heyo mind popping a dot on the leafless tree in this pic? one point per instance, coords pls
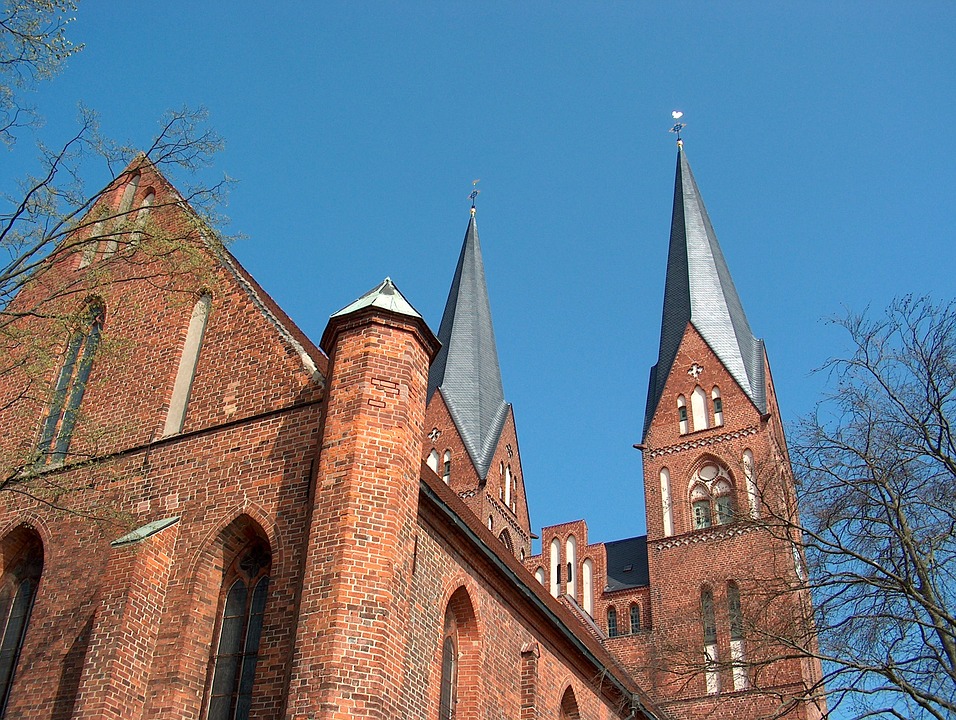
(875, 545)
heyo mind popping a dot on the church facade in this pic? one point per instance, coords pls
(208, 515)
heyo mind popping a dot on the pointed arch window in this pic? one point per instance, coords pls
(752, 498)
(449, 680)
(555, 567)
(666, 507)
(571, 550)
(432, 461)
(57, 431)
(612, 622)
(188, 361)
(240, 630)
(141, 216)
(587, 586)
(635, 618)
(698, 404)
(122, 212)
(711, 497)
(508, 487)
(446, 467)
(718, 406)
(682, 415)
(18, 589)
(709, 623)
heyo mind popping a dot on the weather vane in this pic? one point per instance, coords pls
(474, 194)
(678, 125)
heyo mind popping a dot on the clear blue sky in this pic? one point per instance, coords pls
(820, 134)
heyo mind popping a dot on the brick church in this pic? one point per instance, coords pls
(206, 514)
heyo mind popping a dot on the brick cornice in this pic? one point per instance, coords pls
(703, 442)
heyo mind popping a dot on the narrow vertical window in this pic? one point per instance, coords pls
(433, 461)
(723, 502)
(141, 216)
(508, 487)
(698, 404)
(571, 550)
(718, 406)
(240, 630)
(17, 593)
(752, 497)
(92, 245)
(711, 674)
(539, 575)
(446, 467)
(446, 705)
(666, 507)
(738, 660)
(682, 414)
(555, 567)
(611, 622)
(70, 386)
(587, 586)
(188, 360)
(635, 618)
(122, 213)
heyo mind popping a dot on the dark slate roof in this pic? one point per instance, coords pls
(466, 368)
(627, 563)
(698, 289)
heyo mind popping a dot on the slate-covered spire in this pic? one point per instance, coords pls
(466, 369)
(698, 289)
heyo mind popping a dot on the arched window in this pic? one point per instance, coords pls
(141, 215)
(122, 212)
(70, 386)
(752, 498)
(587, 586)
(709, 623)
(446, 467)
(460, 656)
(711, 496)
(505, 538)
(571, 549)
(698, 404)
(432, 461)
(611, 622)
(700, 507)
(188, 360)
(539, 575)
(666, 506)
(682, 414)
(22, 567)
(635, 618)
(449, 679)
(738, 659)
(723, 502)
(569, 706)
(555, 567)
(718, 406)
(233, 666)
(491, 523)
(508, 487)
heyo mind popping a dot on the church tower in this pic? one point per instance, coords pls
(471, 441)
(723, 584)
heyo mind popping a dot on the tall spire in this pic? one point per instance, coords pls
(699, 290)
(466, 368)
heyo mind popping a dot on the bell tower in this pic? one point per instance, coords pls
(715, 467)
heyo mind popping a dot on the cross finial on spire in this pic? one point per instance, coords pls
(678, 126)
(474, 194)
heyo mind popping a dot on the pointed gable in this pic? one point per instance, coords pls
(466, 369)
(698, 289)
